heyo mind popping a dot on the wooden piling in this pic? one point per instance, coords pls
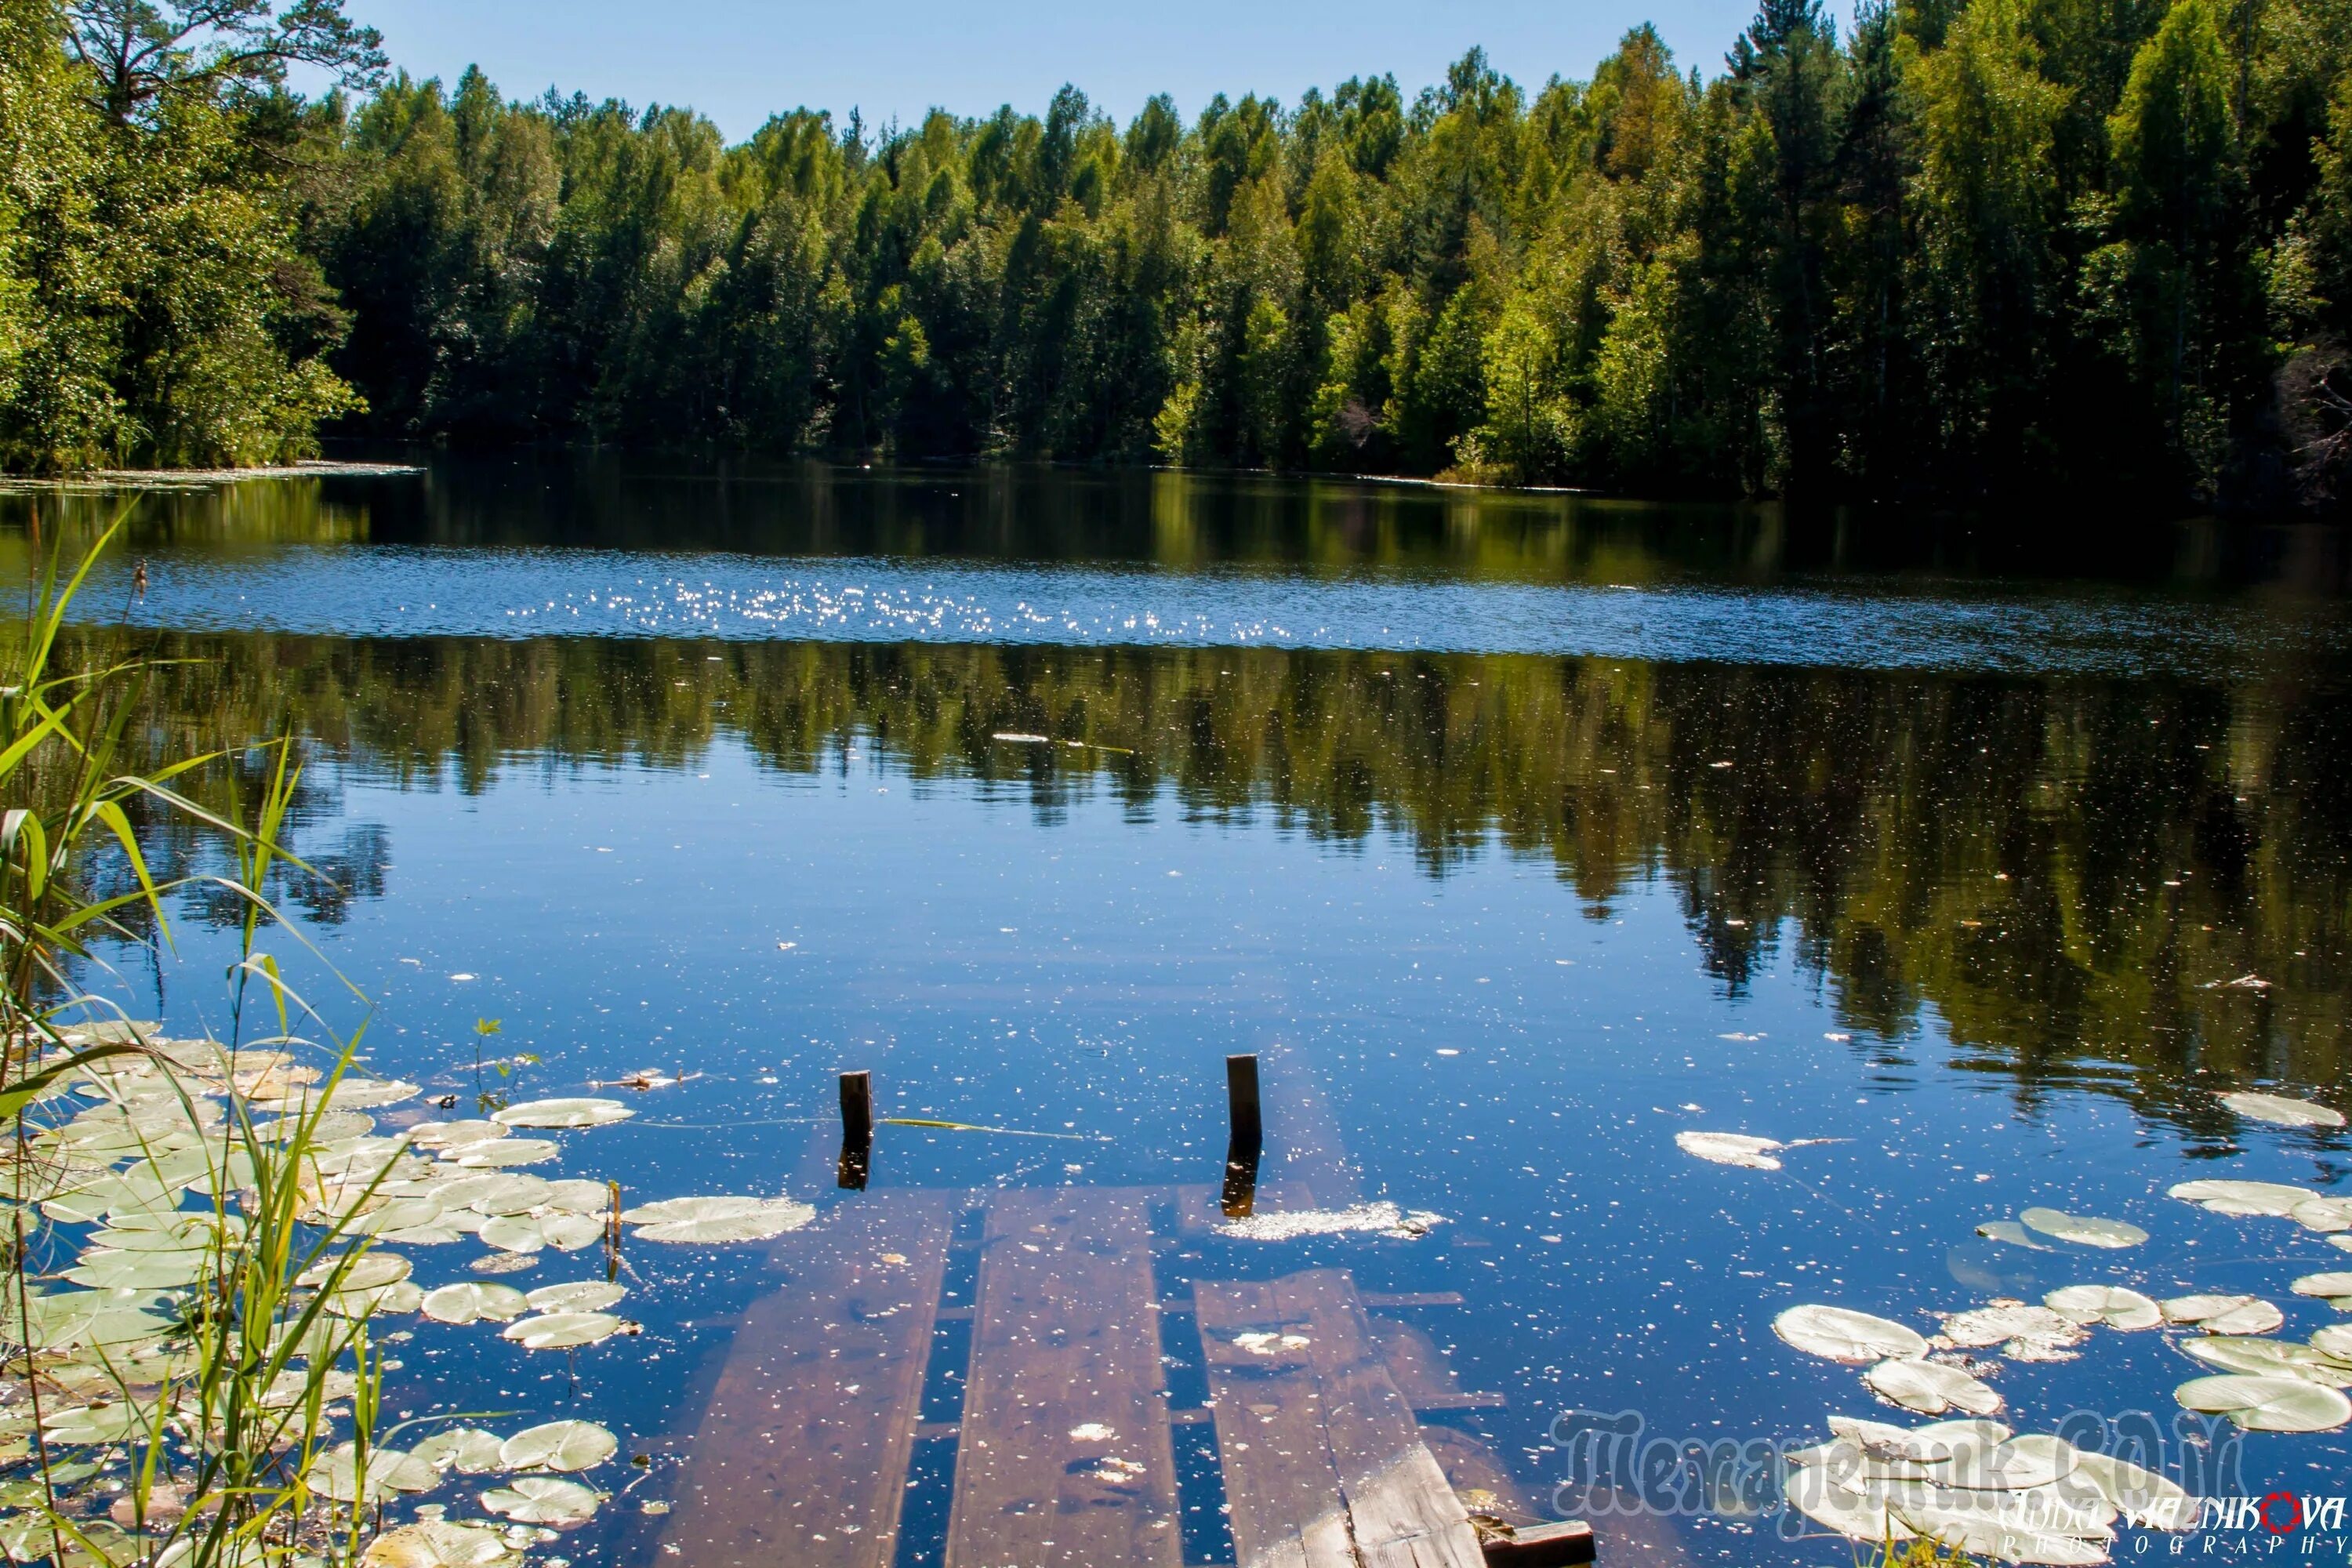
(856, 1108)
(1241, 1100)
(857, 1131)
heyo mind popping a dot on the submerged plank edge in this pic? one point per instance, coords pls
(802, 1454)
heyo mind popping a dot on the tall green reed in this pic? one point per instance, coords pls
(224, 1415)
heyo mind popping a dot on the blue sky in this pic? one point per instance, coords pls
(739, 60)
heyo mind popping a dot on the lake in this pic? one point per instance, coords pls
(1515, 833)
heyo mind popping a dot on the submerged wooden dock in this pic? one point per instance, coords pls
(1063, 1453)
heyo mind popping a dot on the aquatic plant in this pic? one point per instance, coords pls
(215, 1350)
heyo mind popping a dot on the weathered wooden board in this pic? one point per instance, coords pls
(1324, 1464)
(802, 1454)
(1065, 1457)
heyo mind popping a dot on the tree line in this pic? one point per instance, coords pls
(1956, 250)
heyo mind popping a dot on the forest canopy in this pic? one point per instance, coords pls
(1959, 251)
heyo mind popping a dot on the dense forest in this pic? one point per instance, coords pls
(1967, 250)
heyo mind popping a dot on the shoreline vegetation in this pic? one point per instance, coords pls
(1961, 253)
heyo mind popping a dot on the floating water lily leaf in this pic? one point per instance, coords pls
(559, 1446)
(292, 1387)
(1967, 1522)
(1828, 1497)
(718, 1219)
(401, 1213)
(1937, 1443)
(506, 1152)
(118, 1421)
(2268, 1198)
(509, 1193)
(2267, 1404)
(389, 1470)
(405, 1296)
(2269, 1358)
(1383, 1218)
(2144, 1496)
(369, 1093)
(103, 1271)
(2281, 1111)
(1731, 1149)
(2081, 1230)
(1931, 1387)
(2324, 1216)
(438, 1544)
(1847, 1336)
(2023, 1463)
(2113, 1305)
(513, 1233)
(2012, 1233)
(454, 1134)
(2005, 1321)
(577, 1195)
(470, 1301)
(570, 1232)
(563, 1113)
(2329, 1284)
(366, 1272)
(469, 1450)
(2224, 1314)
(544, 1499)
(2333, 1341)
(580, 1296)
(562, 1331)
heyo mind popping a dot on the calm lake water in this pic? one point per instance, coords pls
(1516, 833)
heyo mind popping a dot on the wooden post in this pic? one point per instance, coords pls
(1241, 1100)
(1238, 1199)
(856, 1108)
(857, 1131)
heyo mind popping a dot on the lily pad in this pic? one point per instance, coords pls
(563, 1113)
(469, 1450)
(367, 1271)
(404, 1296)
(2324, 1216)
(369, 1093)
(1931, 1387)
(118, 1421)
(470, 1301)
(389, 1470)
(2224, 1314)
(2245, 1198)
(2333, 1341)
(2144, 1496)
(2281, 1111)
(559, 1446)
(2009, 1232)
(2258, 1357)
(579, 1296)
(2267, 1404)
(1842, 1335)
(1967, 1522)
(2112, 1305)
(2083, 1230)
(454, 1134)
(2006, 1320)
(544, 1499)
(438, 1544)
(562, 1331)
(506, 1152)
(513, 1233)
(577, 1195)
(2331, 1286)
(1731, 1149)
(718, 1219)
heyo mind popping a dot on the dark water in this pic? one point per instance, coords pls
(1517, 835)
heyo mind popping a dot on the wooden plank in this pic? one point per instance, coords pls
(1323, 1461)
(802, 1454)
(1421, 1373)
(1066, 1457)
